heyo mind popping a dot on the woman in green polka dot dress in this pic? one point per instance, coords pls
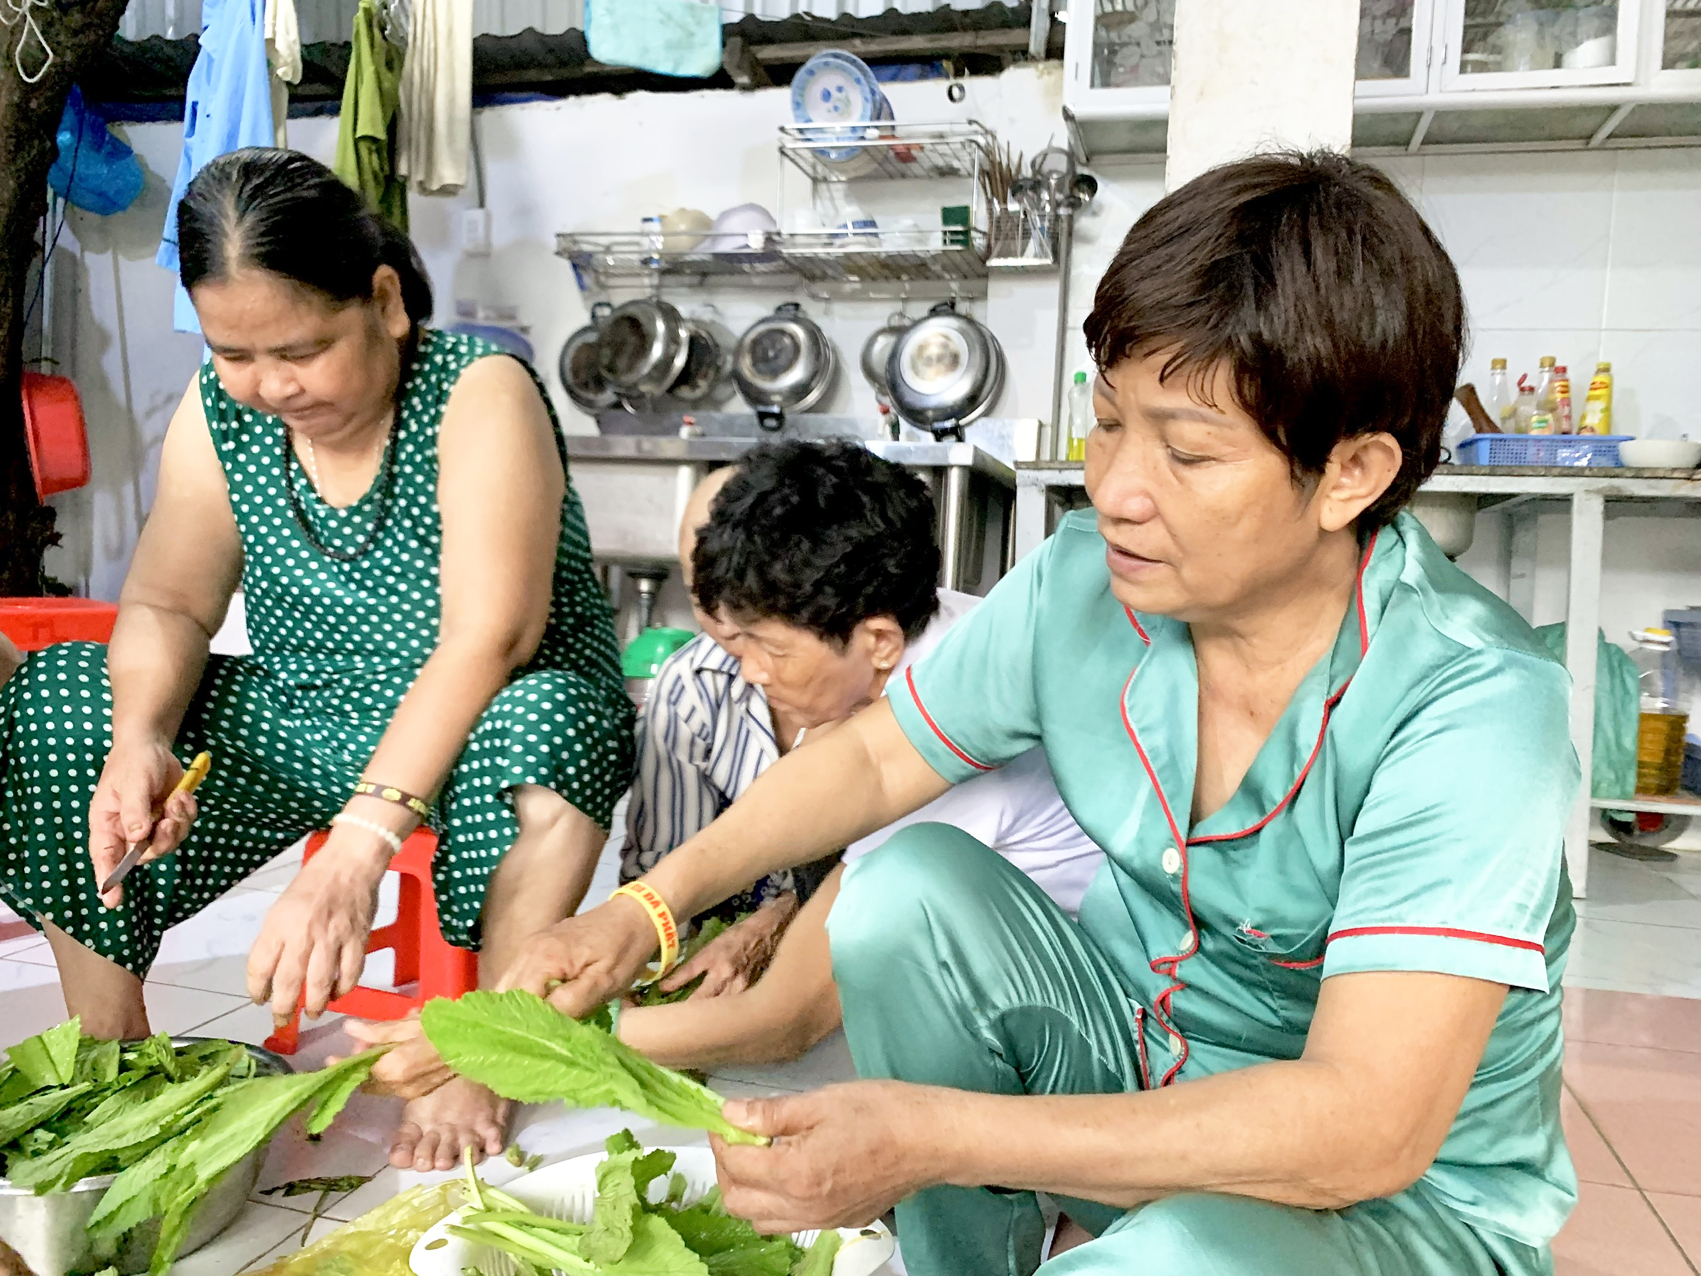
(393, 502)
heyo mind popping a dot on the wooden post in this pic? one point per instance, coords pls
(76, 30)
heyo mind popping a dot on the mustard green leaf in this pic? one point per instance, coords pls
(50, 1057)
(522, 1049)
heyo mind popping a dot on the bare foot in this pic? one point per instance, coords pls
(435, 1128)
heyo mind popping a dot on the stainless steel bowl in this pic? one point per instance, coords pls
(643, 348)
(50, 1233)
(580, 364)
(784, 363)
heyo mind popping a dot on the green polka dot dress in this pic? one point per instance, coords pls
(291, 727)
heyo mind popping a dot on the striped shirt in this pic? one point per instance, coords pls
(704, 735)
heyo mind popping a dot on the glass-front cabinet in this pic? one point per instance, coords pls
(1119, 51)
(1538, 44)
(1429, 73)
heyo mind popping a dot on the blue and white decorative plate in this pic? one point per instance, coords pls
(837, 88)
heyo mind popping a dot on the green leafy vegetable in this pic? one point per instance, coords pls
(172, 1179)
(707, 933)
(819, 1260)
(517, 1045)
(629, 1235)
(51, 1057)
(128, 1135)
(97, 1062)
(23, 1118)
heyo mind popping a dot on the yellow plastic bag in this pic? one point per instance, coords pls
(378, 1242)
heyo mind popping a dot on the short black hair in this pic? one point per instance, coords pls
(286, 213)
(1333, 305)
(819, 535)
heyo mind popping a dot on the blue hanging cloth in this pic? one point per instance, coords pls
(228, 105)
(669, 37)
(96, 170)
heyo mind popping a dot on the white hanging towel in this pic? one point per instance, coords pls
(283, 55)
(435, 130)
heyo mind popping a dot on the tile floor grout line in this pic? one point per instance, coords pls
(1635, 1183)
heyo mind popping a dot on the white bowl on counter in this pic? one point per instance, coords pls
(1659, 454)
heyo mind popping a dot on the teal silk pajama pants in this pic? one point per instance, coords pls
(954, 969)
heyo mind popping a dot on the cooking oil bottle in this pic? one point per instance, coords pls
(1080, 416)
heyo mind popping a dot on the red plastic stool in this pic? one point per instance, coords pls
(439, 968)
(34, 623)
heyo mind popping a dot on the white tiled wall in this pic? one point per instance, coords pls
(1582, 256)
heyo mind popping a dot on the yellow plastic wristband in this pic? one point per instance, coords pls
(667, 930)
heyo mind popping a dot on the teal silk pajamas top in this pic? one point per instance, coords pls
(1406, 813)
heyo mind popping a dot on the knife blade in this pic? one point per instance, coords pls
(191, 781)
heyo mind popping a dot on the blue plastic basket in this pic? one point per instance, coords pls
(1596, 450)
(1685, 625)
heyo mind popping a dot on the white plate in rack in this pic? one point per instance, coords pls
(568, 1190)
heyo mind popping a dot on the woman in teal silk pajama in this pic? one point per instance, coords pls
(1308, 1023)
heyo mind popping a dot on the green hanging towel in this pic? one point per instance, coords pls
(669, 37)
(366, 137)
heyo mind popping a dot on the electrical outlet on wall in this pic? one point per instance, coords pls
(475, 232)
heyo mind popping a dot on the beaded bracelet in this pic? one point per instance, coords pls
(390, 837)
(399, 797)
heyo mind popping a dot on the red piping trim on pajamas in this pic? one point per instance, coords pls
(1144, 636)
(1157, 965)
(1323, 727)
(1298, 965)
(1445, 932)
(909, 678)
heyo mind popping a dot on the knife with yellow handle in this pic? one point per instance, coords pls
(188, 784)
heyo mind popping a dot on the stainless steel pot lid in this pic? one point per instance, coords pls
(581, 375)
(945, 367)
(784, 360)
(643, 348)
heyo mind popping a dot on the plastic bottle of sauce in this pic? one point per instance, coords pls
(1562, 400)
(1597, 407)
(1525, 411)
(1502, 404)
(1080, 417)
(1545, 401)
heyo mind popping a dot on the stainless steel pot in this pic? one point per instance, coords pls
(945, 370)
(50, 1233)
(784, 363)
(581, 373)
(707, 373)
(643, 348)
(877, 350)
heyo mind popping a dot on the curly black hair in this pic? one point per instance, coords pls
(819, 535)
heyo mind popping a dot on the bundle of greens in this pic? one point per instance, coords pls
(707, 933)
(525, 1050)
(632, 1235)
(168, 1121)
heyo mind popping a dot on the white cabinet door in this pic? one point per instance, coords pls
(1538, 44)
(1117, 53)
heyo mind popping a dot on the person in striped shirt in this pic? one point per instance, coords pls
(814, 573)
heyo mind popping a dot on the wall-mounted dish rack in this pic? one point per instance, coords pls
(892, 262)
